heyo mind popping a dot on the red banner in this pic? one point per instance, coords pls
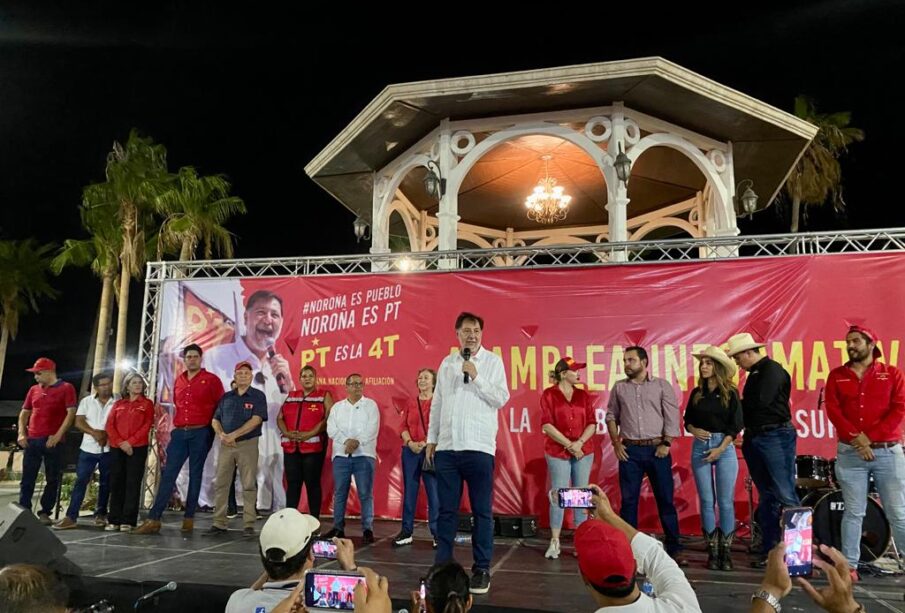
(388, 326)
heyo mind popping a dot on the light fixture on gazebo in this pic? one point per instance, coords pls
(747, 201)
(547, 204)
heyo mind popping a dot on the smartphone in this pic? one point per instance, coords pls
(422, 597)
(323, 548)
(575, 497)
(798, 537)
(331, 590)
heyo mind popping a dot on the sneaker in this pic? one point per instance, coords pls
(205, 508)
(126, 528)
(553, 550)
(480, 582)
(232, 513)
(100, 521)
(111, 528)
(334, 533)
(367, 537)
(249, 531)
(44, 518)
(65, 524)
(214, 531)
(261, 513)
(403, 538)
(434, 544)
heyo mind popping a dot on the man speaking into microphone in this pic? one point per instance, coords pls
(461, 441)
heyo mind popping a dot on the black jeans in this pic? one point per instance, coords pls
(126, 472)
(36, 452)
(642, 460)
(304, 468)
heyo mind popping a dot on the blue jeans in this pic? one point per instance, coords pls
(412, 476)
(560, 473)
(362, 468)
(476, 469)
(642, 460)
(87, 463)
(36, 452)
(771, 463)
(191, 445)
(725, 471)
(853, 473)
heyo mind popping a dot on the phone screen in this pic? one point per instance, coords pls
(326, 590)
(324, 549)
(422, 593)
(575, 498)
(798, 536)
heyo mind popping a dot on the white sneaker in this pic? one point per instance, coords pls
(126, 528)
(111, 528)
(553, 550)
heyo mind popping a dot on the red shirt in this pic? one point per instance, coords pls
(875, 404)
(196, 398)
(302, 412)
(49, 406)
(417, 430)
(130, 421)
(570, 418)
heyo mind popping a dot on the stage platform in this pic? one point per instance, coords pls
(120, 563)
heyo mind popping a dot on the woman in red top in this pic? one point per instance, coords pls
(302, 422)
(414, 435)
(568, 420)
(127, 429)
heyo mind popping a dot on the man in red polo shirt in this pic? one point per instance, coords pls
(47, 414)
(195, 395)
(865, 400)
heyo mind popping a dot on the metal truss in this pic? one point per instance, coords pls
(547, 256)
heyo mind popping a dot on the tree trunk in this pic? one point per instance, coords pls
(796, 213)
(103, 324)
(85, 388)
(4, 341)
(122, 321)
(185, 254)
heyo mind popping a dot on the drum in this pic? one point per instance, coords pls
(812, 471)
(828, 507)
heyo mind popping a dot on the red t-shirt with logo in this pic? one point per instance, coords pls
(302, 412)
(48, 406)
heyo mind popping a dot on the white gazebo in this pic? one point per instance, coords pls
(448, 164)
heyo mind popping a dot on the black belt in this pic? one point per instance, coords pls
(886, 445)
(755, 430)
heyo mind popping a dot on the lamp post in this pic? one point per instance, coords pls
(747, 202)
(434, 184)
(361, 229)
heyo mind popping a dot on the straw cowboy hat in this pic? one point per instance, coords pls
(741, 342)
(718, 355)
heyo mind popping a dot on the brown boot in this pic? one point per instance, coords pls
(150, 526)
(187, 526)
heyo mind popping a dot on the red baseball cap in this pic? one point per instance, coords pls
(869, 334)
(568, 363)
(244, 364)
(43, 364)
(605, 556)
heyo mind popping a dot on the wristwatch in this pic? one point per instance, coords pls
(769, 598)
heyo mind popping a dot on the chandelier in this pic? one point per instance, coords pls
(547, 204)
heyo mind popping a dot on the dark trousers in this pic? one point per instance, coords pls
(126, 472)
(412, 476)
(191, 445)
(771, 463)
(36, 452)
(642, 460)
(87, 463)
(304, 468)
(476, 469)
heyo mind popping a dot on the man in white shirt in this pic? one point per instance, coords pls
(91, 418)
(352, 425)
(461, 441)
(611, 553)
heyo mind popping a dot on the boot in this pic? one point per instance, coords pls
(151, 526)
(713, 549)
(726, 550)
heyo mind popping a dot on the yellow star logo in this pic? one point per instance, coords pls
(315, 342)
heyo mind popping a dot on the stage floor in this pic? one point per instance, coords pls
(522, 578)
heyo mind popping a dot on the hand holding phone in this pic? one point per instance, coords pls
(326, 590)
(798, 537)
(575, 497)
(323, 548)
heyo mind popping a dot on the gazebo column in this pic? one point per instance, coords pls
(448, 215)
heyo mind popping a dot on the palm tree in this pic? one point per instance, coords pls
(136, 174)
(24, 267)
(194, 210)
(817, 177)
(100, 252)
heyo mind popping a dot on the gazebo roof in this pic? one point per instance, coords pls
(766, 141)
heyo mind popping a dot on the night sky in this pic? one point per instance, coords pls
(255, 95)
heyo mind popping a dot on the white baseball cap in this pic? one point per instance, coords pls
(288, 530)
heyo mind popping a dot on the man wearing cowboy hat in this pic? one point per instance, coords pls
(770, 438)
(865, 400)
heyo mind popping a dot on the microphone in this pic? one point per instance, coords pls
(281, 378)
(169, 587)
(466, 355)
